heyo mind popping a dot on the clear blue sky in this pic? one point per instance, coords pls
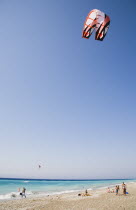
(66, 102)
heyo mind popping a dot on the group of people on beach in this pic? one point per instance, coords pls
(117, 188)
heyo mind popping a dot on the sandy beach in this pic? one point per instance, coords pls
(99, 199)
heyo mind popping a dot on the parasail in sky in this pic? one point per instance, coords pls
(96, 21)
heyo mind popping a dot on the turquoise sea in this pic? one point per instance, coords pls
(8, 187)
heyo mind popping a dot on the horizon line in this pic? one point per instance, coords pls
(34, 179)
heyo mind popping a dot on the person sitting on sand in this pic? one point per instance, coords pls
(112, 191)
(86, 193)
(108, 190)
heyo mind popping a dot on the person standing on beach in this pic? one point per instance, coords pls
(117, 189)
(124, 188)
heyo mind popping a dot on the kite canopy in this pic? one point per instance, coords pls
(98, 21)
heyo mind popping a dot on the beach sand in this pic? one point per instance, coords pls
(99, 199)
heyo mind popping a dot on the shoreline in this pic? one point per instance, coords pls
(36, 194)
(99, 199)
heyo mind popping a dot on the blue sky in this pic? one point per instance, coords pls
(66, 102)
